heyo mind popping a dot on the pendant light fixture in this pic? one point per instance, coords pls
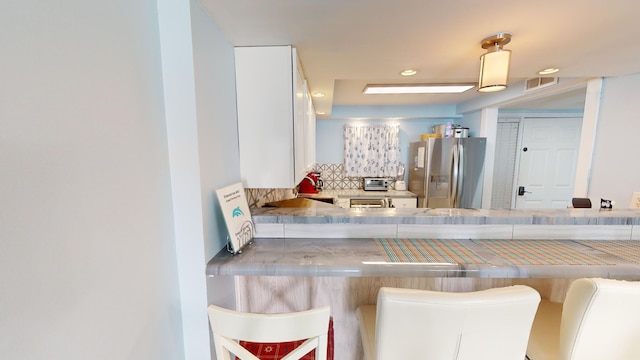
(494, 65)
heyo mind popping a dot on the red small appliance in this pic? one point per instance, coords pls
(311, 184)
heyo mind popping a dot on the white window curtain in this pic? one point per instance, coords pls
(372, 150)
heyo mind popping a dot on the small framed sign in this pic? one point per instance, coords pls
(635, 200)
(237, 216)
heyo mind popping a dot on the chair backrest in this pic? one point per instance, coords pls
(421, 324)
(601, 320)
(228, 327)
(581, 203)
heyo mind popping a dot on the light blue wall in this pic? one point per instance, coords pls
(413, 120)
(330, 136)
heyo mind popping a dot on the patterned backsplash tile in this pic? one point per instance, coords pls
(333, 178)
(258, 197)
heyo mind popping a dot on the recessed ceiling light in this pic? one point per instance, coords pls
(548, 71)
(408, 72)
(318, 94)
(416, 89)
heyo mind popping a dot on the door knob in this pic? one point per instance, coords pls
(521, 191)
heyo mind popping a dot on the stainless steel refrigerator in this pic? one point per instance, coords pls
(447, 172)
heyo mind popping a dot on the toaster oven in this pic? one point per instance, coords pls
(376, 184)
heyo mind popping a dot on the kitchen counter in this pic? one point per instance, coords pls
(359, 193)
(616, 224)
(465, 258)
(299, 203)
(337, 257)
(427, 216)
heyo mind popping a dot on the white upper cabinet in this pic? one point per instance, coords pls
(273, 122)
(310, 130)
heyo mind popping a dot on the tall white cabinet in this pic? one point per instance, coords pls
(276, 122)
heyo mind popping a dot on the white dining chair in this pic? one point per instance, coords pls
(229, 327)
(421, 324)
(600, 319)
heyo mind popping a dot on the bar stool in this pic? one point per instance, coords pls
(422, 324)
(599, 320)
(293, 335)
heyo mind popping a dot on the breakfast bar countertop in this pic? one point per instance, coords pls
(426, 216)
(471, 258)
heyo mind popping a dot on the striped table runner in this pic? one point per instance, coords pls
(540, 252)
(624, 249)
(428, 251)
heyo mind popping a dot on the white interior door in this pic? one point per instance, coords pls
(548, 159)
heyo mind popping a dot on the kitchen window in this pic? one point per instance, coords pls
(372, 150)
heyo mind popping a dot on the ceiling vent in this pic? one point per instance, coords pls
(539, 82)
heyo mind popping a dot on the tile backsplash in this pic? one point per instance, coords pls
(258, 197)
(333, 178)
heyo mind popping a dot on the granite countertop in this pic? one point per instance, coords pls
(368, 257)
(299, 203)
(359, 193)
(426, 216)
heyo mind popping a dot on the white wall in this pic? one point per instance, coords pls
(615, 173)
(199, 84)
(87, 255)
(217, 121)
(174, 17)
(218, 137)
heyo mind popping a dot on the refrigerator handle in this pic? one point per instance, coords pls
(454, 177)
(460, 174)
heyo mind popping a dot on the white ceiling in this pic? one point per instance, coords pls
(345, 44)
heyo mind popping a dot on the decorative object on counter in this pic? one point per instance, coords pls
(237, 217)
(372, 150)
(311, 184)
(635, 200)
(606, 204)
(584, 203)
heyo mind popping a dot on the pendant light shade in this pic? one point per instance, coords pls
(494, 65)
